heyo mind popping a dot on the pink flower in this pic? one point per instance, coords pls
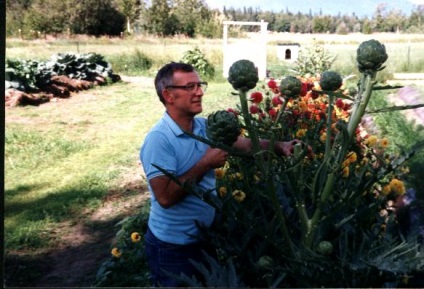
(256, 97)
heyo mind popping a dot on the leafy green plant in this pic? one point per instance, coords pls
(197, 58)
(286, 220)
(313, 60)
(131, 64)
(127, 266)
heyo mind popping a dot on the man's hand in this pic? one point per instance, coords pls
(287, 148)
(214, 158)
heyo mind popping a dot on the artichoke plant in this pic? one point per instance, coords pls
(222, 127)
(371, 55)
(290, 87)
(243, 75)
(330, 81)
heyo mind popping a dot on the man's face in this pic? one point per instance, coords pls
(183, 99)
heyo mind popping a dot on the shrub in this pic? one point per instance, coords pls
(197, 58)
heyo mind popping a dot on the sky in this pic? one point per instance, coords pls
(328, 7)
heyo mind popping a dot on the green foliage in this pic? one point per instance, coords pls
(197, 58)
(130, 268)
(131, 64)
(30, 75)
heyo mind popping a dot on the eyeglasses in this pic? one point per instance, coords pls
(191, 86)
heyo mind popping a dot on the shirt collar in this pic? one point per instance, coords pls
(176, 129)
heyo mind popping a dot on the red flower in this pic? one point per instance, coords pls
(254, 109)
(232, 111)
(256, 97)
(272, 113)
(272, 84)
(304, 89)
(315, 95)
(276, 101)
(339, 103)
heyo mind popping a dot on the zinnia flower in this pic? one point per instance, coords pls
(371, 141)
(116, 252)
(254, 109)
(239, 195)
(219, 173)
(272, 84)
(256, 97)
(352, 157)
(301, 133)
(397, 186)
(222, 191)
(276, 101)
(384, 142)
(345, 172)
(135, 237)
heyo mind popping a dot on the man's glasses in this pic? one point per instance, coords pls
(191, 86)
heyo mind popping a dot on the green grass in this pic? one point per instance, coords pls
(62, 158)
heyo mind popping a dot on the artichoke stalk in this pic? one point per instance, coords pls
(244, 76)
(370, 56)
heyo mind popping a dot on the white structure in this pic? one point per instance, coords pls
(288, 51)
(246, 49)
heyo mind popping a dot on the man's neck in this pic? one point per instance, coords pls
(184, 122)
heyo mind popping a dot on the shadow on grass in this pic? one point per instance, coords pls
(68, 265)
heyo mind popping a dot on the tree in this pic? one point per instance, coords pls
(47, 17)
(160, 20)
(95, 17)
(131, 10)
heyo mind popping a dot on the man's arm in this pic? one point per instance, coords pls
(168, 193)
(280, 148)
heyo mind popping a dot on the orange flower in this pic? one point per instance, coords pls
(345, 172)
(219, 173)
(397, 186)
(384, 142)
(135, 237)
(222, 191)
(116, 252)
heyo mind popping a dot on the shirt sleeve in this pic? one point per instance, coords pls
(157, 150)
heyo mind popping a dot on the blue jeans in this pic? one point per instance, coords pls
(164, 258)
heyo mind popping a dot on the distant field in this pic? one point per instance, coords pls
(405, 50)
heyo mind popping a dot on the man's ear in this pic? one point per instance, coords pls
(167, 96)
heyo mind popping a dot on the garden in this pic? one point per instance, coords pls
(346, 216)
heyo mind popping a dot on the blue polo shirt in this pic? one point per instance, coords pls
(168, 147)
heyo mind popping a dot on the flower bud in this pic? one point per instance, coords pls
(330, 81)
(370, 56)
(243, 75)
(291, 87)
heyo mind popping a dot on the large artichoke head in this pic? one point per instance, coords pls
(370, 56)
(290, 87)
(243, 75)
(223, 127)
(330, 80)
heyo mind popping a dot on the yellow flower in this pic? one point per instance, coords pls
(397, 186)
(365, 161)
(384, 142)
(371, 141)
(302, 106)
(404, 170)
(352, 157)
(345, 172)
(301, 133)
(323, 137)
(219, 173)
(239, 176)
(386, 189)
(116, 253)
(135, 237)
(345, 163)
(222, 191)
(239, 196)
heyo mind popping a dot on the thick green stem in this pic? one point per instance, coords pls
(329, 122)
(265, 171)
(361, 102)
(364, 95)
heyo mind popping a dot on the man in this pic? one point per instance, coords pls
(172, 227)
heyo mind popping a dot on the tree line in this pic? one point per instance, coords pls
(34, 18)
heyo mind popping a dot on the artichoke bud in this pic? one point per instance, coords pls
(243, 75)
(370, 56)
(222, 127)
(325, 248)
(290, 87)
(330, 81)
